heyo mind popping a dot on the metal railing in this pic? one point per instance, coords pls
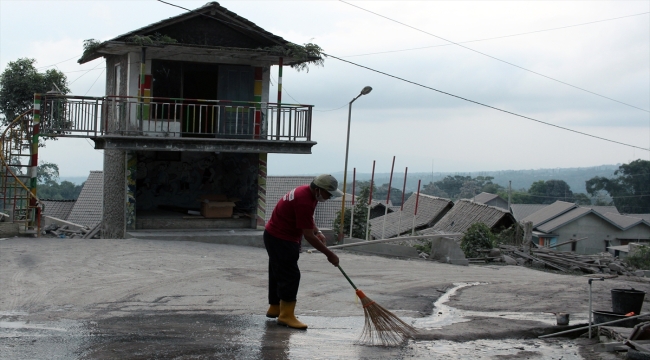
(81, 116)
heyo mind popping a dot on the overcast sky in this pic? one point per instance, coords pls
(610, 56)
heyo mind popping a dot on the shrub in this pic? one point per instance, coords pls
(477, 237)
(640, 259)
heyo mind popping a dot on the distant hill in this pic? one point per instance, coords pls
(521, 179)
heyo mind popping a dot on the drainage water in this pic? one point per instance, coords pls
(444, 315)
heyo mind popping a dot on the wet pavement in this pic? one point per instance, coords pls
(188, 335)
(147, 299)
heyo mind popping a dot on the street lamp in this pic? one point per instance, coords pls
(365, 91)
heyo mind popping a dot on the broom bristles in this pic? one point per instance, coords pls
(382, 327)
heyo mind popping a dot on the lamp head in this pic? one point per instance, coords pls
(366, 90)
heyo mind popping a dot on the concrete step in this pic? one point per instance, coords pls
(243, 237)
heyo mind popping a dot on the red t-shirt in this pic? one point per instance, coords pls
(293, 213)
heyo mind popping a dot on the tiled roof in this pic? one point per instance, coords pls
(549, 212)
(59, 209)
(465, 213)
(484, 198)
(521, 211)
(430, 209)
(213, 10)
(88, 208)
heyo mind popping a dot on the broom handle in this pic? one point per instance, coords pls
(346, 276)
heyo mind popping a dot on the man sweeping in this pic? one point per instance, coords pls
(292, 219)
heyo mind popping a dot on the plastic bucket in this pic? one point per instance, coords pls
(625, 301)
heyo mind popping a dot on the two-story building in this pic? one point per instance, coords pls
(186, 117)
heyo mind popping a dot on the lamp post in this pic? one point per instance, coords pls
(366, 90)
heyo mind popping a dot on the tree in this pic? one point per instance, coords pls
(47, 173)
(547, 192)
(477, 237)
(630, 190)
(451, 185)
(20, 81)
(433, 190)
(360, 216)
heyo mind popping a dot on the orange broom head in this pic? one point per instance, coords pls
(381, 326)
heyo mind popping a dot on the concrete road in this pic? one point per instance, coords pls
(142, 299)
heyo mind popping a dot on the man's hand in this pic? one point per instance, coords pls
(333, 259)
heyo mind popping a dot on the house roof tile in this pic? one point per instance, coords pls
(88, 209)
(430, 209)
(521, 211)
(465, 213)
(59, 209)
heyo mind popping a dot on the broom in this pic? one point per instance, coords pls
(381, 327)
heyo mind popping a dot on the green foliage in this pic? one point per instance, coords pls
(513, 235)
(424, 247)
(90, 45)
(48, 187)
(47, 173)
(477, 237)
(640, 259)
(305, 54)
(155, 39)
(55, 191)
(360, 216)
(630, 189)
(461, 187)
(20, 81)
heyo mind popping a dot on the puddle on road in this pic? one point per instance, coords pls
(167, 335)
(444, 315)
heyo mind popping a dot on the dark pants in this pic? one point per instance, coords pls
(284, 275)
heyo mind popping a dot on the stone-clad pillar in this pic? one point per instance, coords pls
(113, 222)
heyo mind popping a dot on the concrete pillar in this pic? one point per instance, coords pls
(113, 222)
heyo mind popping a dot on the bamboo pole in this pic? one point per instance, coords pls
(401, 209)
(354, 177)
(390, 182)
(372, 179)
(403, 238)
(415, 213)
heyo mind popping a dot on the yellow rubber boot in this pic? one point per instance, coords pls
(287, 318)
(273, 311)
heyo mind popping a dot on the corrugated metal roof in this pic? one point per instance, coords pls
(549, 212)
(645, 217)
(88, 208)
(59, 209)
(430, 208)
(465, 213)
(622, 221)
(521, 211)
(602, 209)
(564, 219)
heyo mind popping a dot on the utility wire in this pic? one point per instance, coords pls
(489, 106)
(91, 86)
(43, 67)
(430, 88)
(500, 37)
(495, 58)
(298, 102)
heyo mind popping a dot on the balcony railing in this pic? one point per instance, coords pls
(81, 116)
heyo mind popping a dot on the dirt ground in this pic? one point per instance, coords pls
(167, 299)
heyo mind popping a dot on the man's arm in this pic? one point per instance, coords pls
(318, 245)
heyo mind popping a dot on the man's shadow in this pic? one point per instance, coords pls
(275, 341)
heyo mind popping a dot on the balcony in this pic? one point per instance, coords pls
(148, 123)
